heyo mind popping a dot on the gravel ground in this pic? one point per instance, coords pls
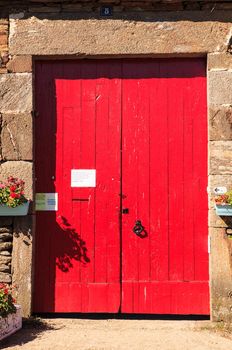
(89, 334)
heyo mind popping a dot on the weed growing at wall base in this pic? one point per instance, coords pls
(224, 199)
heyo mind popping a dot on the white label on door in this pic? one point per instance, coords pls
(46, 201)
(83, 178)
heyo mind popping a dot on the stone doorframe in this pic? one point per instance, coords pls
(177, 34)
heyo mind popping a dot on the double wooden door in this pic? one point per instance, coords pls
(130, 233)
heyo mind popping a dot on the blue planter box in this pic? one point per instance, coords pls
(17, 211)
(223, 210)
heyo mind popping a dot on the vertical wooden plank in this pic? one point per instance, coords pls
(136, 153)
(143, 166)
(108, 177)
(161, 297)
(67, 248)
(103, 164)
(130, 181)
(159, 220)
(200, 171)
(127, 303)
(145, 300)
(175, 171)
(87, 161)
(113, 250)
(188, 205)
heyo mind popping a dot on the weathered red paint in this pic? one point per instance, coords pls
(141, 123)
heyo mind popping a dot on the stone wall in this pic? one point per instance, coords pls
(220, 173)
(39, 31)
(16, 159)
(58, 6)
(4, 26)
(6, 243)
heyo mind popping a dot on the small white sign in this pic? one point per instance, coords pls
(83, 178)
(46, 201)
(220, 190)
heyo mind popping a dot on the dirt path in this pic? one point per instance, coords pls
(74, 334)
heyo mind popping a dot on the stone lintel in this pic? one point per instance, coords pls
(160, 33)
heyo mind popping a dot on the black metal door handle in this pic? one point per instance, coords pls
(138, 228)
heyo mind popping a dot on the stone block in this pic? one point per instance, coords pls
(220, 61)
(220, 123)
(20, 64)
(71, 7)
(3, 49)
(22, 262)
(44, 9)
(16, 93)
(5, 268)
(5, 246)
(3, 33)
(214, 6)
(5, 259)
(5, 230)
(153, 33)
(220, 271)
(5, 277)
(19, 169)
(219, 87)
(4, 58)
(3, 39)
(220, 155)
(16, 136)
(5, 253)
(4, 237)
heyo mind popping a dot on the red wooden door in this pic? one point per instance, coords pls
(164, 172)
(142, 125)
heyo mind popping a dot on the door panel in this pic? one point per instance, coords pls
(141, 123)
(164, 182)
(83, 236)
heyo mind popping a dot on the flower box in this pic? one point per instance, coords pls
(20, 210)
(223, 209)
(11, 323)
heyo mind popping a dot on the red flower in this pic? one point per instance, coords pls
(12, 188)
(14, 195)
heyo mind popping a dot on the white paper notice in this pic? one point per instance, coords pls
(83, 178)
(46, 201)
